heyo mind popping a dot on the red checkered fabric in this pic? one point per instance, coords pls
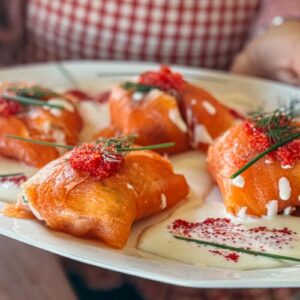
(205, 33)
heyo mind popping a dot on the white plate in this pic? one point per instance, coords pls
(99, 76)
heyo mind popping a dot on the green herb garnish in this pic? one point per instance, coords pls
(138, 87)
(121, 144)
(30, 101)
(34, 91)
(278, 126)
(44, 143)
(237, 249)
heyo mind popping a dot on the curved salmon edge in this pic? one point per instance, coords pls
(261, 180)
(32, 154)
(155, 120)
(70, 201)
(201, 108)
(15, 211)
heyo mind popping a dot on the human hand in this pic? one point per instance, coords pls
(273, 55)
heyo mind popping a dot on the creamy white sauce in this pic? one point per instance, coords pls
(158, 240)
(272, 208)
(268, 161)
(209, 108)
(193, 101)
(287, 166)
(130, 186)
(288, 210)
(242, 213)
(201, 135)
(175, 117)
(163, 199)
(8, 190)
(238, 181)
(284, 188)
(95, 116)
(138, 96)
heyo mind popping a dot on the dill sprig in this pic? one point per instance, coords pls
(238, 249)
(278, 125)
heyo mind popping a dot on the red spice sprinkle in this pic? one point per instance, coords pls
(164, 79)
(224, 231)
(231, 256)
(287, 154)
(91, 158)
(9, 108)
(17, 180)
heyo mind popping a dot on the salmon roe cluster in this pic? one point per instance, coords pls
(9, 108)
(96, 160)
(287, 154)
(164, 79)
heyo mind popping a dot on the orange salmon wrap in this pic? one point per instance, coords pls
(154, 120)
(206, 117)
(71, 201)
(263, 189)
(42, 123)
(172, 111)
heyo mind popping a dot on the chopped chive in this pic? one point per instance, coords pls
(30, 101)
(150, 147)
(262, 154)
(69, 147)
(44, 143)
(237, 249)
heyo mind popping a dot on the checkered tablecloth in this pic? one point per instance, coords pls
(205, 33)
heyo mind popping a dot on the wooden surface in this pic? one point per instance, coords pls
(27, 273)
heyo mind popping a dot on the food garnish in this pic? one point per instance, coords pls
(275, 135)
(100, 159)
(164, 79)
(30, 101)
(44, 143)
(237, 249)
(32, 91)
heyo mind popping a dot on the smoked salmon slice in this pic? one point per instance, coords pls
(162, 107)
(155, 119)
(75, 202)
(206, 117)
(264, 189)
(36, 122)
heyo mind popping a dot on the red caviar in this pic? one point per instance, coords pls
(224, 231)
(9, 108)
(287, 154)
(164, 79)
(95, 160)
